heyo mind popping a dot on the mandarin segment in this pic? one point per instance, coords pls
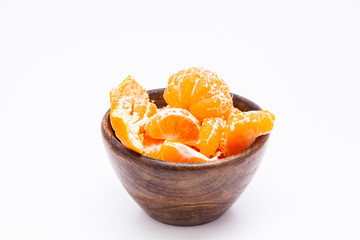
(152, 147)
(234, 111)
(201, 92)
(174, 124)
(242, 129)
(173, 92)
(130, 110)
(172, 151)
(127, 89)
(211, 107)
(126, 132)
(142, 112)
(210, 135)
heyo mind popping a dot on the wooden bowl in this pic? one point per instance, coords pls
(183, 194)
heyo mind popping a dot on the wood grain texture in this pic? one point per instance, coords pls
(183, 194)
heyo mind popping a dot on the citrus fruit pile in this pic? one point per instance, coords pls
(199, 124)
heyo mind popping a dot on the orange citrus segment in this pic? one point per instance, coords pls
(210, 135)
(142, 112)
(242, 129)
(130, 110)
(127, 89)
(152, 147)
(174, 124)
(177, 152)
(234, 111)
(126, 132)
(211, 107)
(200, 91)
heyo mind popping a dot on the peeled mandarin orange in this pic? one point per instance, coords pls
(172, 151)
(201, 92)
(210, 135)
(242, 129)
(130, 110)
(174, 124)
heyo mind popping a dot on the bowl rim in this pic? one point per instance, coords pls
(110, 138)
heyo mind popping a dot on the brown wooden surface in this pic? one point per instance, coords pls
(183, 193)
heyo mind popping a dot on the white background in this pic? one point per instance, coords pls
(59, 60)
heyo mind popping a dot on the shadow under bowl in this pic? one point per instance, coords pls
(183, 194)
